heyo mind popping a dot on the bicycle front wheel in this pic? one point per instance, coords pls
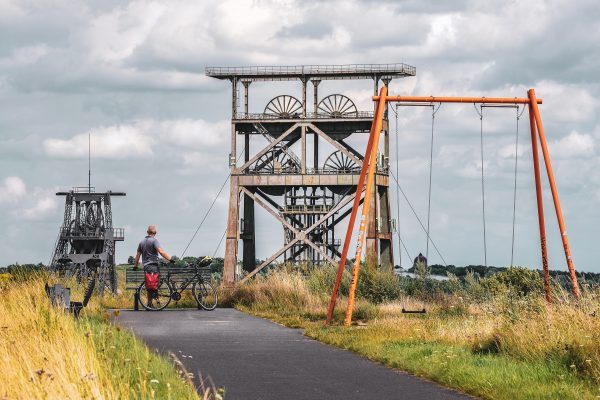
(205, 294)
(154, 300)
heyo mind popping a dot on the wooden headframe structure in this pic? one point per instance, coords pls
(286, 169)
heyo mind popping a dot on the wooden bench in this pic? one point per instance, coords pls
(134, 278)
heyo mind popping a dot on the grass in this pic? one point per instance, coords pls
(504, 347)
(46, 353)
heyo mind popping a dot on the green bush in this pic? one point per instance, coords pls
(321, 279)
(517, 281)
(377, 286)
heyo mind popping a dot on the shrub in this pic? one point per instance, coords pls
(518, 281)
(320, 280)
(377, 286)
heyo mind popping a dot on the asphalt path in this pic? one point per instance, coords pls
(256, 359)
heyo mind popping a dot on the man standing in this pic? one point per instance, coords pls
(149, 249)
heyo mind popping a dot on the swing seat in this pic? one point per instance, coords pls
(405, 311)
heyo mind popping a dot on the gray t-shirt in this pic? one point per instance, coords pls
(149, 248)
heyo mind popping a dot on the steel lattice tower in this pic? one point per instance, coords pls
(86, 239)
(308, 200)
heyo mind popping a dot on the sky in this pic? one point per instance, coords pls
(132, 75)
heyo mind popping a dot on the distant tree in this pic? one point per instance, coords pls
(130, 260)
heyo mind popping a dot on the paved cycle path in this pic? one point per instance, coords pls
(256, 359)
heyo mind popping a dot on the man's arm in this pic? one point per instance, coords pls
(163, 254)
(136, 262)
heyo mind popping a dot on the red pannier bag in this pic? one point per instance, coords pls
(151, 281)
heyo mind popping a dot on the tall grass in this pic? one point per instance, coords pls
(46, 354)
(485, 337)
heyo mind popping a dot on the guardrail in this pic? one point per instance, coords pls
(311, 115)
(311, 171)
(394, 68)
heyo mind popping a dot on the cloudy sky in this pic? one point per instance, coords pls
(132, 74)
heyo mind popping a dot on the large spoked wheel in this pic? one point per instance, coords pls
(154, 300)
(205, 294)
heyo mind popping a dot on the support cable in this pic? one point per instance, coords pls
(417, 216)
(219, 245)
(512, 247)
(210, 208)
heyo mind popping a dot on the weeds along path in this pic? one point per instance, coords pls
(257, 359)
(47, 354)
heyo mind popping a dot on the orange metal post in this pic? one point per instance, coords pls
(559, 214)
(359, 188)
(378, 121)
(540, 205)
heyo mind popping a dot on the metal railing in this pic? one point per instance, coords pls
(84, 189)
(306, 209)
(310, 171)
(311, 115)
(119, 233)
(395, 68)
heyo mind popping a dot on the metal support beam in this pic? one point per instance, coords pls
(302, 235)
(559, 215)
(269, 147)
(246, 84)
(334, 143)
(377, 122)
(231, 241)
(540, 206)
(316, 83)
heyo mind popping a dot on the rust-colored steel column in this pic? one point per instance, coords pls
(359, 189)
(540, 205)
(231, 242)
(555, 198)
(378, 121)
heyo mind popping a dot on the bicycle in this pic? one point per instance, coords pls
(169, 288)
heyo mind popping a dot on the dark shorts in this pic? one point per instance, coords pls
(151, 268)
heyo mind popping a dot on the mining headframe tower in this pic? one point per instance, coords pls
(301, 167)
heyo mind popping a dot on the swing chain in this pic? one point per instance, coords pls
(434, 111)
(512, 246)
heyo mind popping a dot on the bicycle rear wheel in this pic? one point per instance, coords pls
(157, 299)
(205, 294)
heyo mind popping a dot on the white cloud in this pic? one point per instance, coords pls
(43, 207)
(12, 190)
(572, 146)
(141, 139)
(30, 205)
(121, 141)
(566, 102)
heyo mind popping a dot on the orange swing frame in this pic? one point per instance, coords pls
(368, 172)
